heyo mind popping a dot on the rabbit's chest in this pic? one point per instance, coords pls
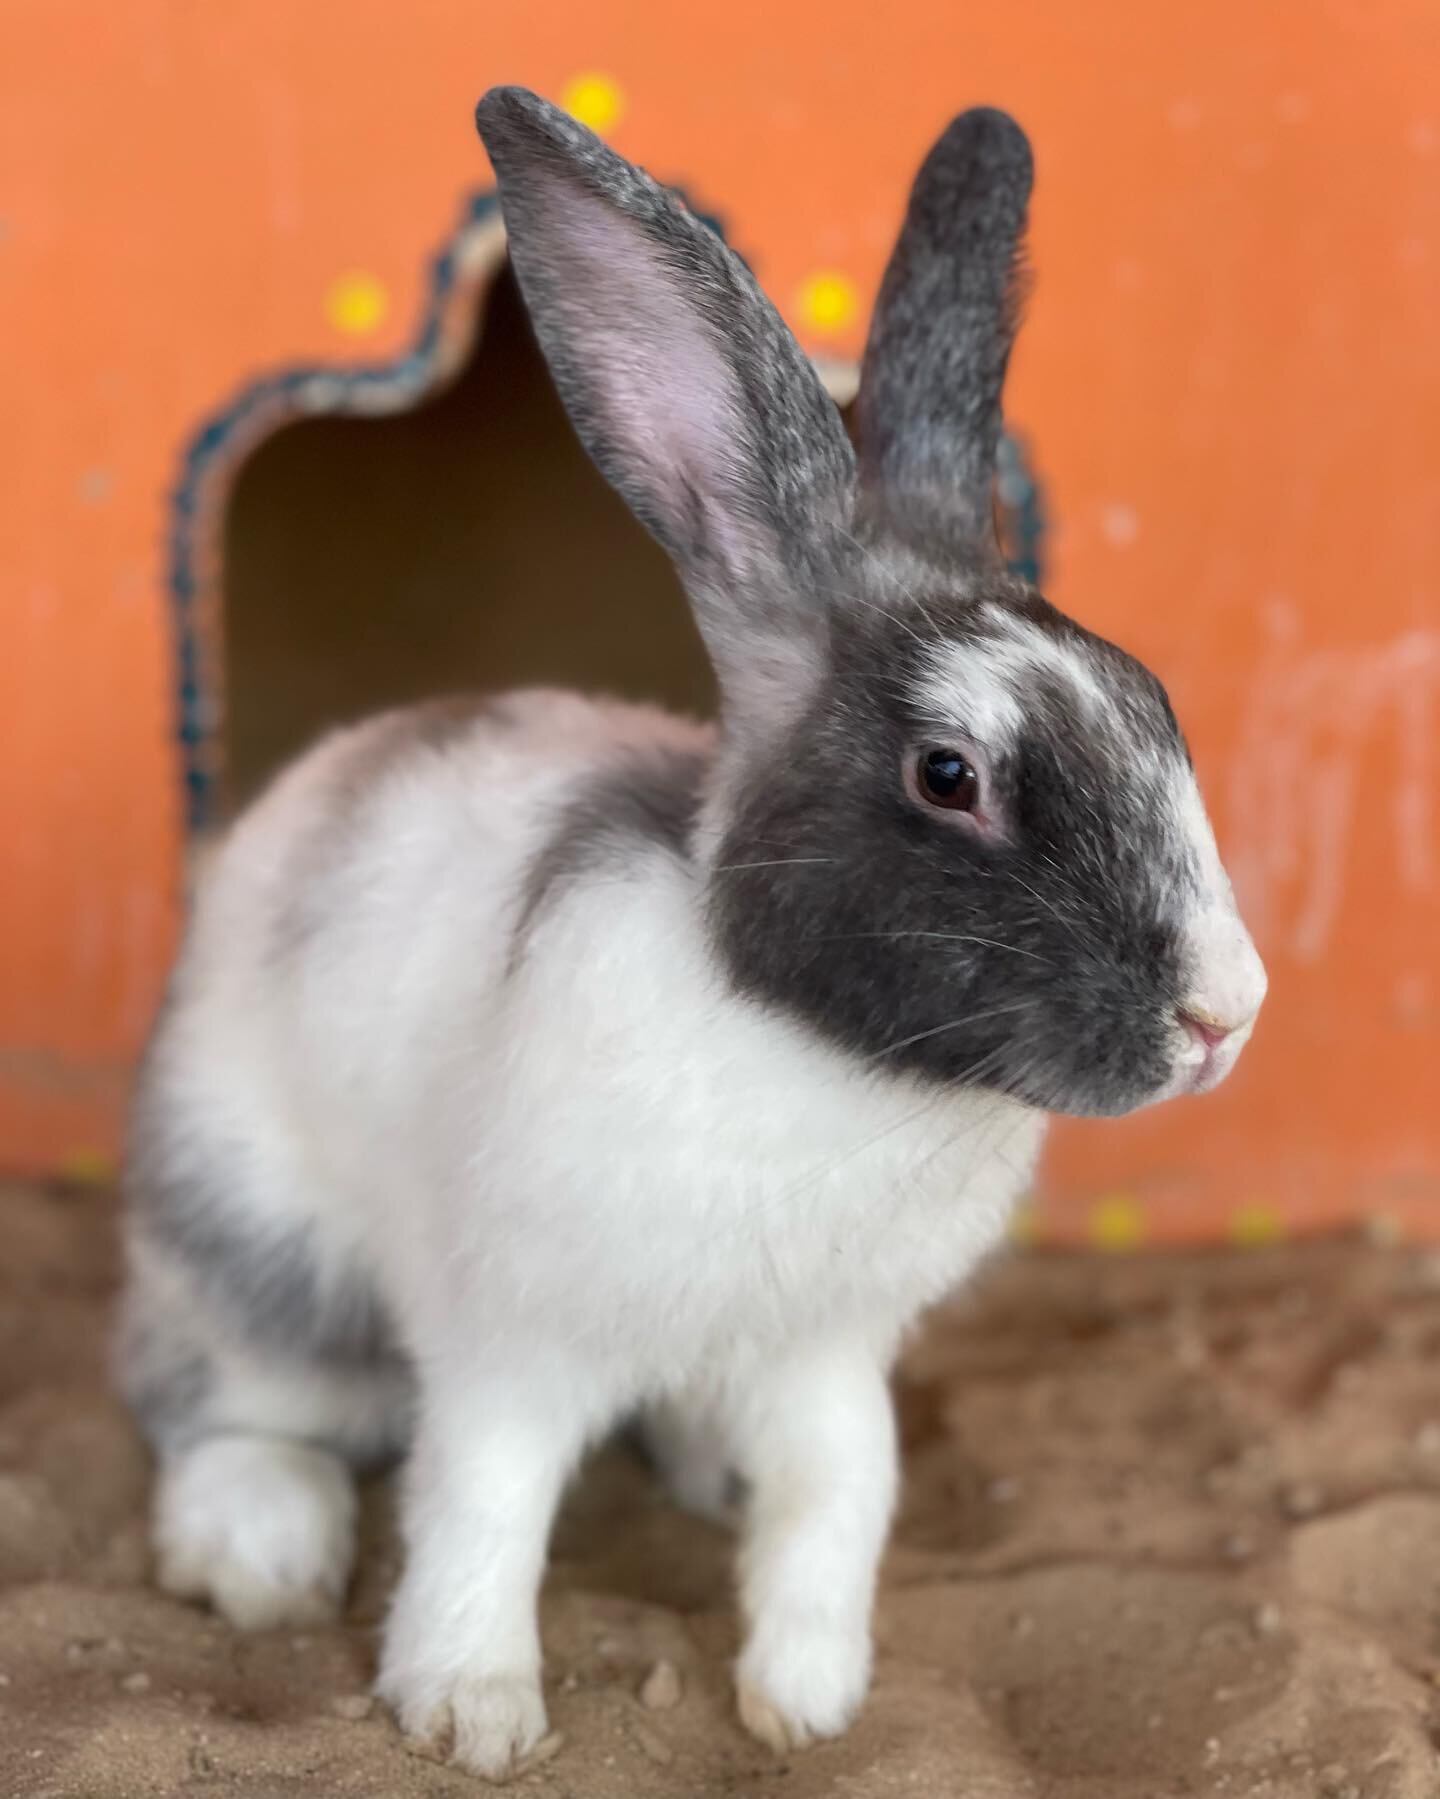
(669, 1169)
(859, 1229)
(748, 1189)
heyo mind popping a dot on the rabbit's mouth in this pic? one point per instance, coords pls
(1209, 1073)
(1209, 1054)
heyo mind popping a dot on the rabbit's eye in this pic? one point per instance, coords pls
(946, 779)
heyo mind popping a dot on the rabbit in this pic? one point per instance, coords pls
(537, 1064)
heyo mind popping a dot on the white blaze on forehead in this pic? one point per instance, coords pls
(1067, 660)
(980, 687)
(964, 690)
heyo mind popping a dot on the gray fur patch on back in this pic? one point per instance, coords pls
(646, 803)
(394, 742)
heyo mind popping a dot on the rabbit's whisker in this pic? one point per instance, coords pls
(779, 862)
(889, 574)
(953, 1024)
(941, 936)
(854, 599)
(1049, 905)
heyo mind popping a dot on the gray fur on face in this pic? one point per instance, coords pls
(1044, 963)
(949, 307)
(645, 803)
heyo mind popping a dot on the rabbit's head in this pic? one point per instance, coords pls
(948, 828)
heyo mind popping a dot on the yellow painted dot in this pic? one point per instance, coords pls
(828, 301)
(595, 100)
(1252, 1227)
(87, 1166)
(1117, 1223)
(1384, 1230)
(357, 303)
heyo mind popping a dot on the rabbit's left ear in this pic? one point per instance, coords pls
(949, 306)
(680, 377)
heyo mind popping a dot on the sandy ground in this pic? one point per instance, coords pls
(1171, 1527)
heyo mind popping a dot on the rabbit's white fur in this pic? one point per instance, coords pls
(724, 1213)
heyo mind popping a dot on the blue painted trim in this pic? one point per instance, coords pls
(315, 389)
(266, 403)
(1022, 510)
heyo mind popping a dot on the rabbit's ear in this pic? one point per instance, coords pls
(681, 380)
(949, 306)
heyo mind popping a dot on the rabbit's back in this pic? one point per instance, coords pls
(390, 865)
(390, 829)
(353, 945)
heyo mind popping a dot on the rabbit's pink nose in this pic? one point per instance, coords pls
(1204, 1027)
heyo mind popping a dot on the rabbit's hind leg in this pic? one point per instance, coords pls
(684, 1439)
(257, 1424)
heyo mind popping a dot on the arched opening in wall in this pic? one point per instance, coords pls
(344, 540)
(467, 542)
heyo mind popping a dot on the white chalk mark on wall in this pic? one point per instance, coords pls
(1302, 772)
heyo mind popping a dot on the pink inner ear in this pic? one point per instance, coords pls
(657, 380)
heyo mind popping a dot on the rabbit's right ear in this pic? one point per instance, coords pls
(682, 382)
(949, 306)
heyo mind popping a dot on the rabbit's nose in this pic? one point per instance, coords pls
(1206, 1028)
(1223, 980)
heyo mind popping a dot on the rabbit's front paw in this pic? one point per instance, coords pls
(796, 1687)
(490, 1724)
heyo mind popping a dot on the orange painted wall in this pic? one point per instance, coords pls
(1231, 380)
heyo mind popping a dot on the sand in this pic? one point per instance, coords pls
(1171, 1527)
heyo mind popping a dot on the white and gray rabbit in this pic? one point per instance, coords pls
(540, 1063)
